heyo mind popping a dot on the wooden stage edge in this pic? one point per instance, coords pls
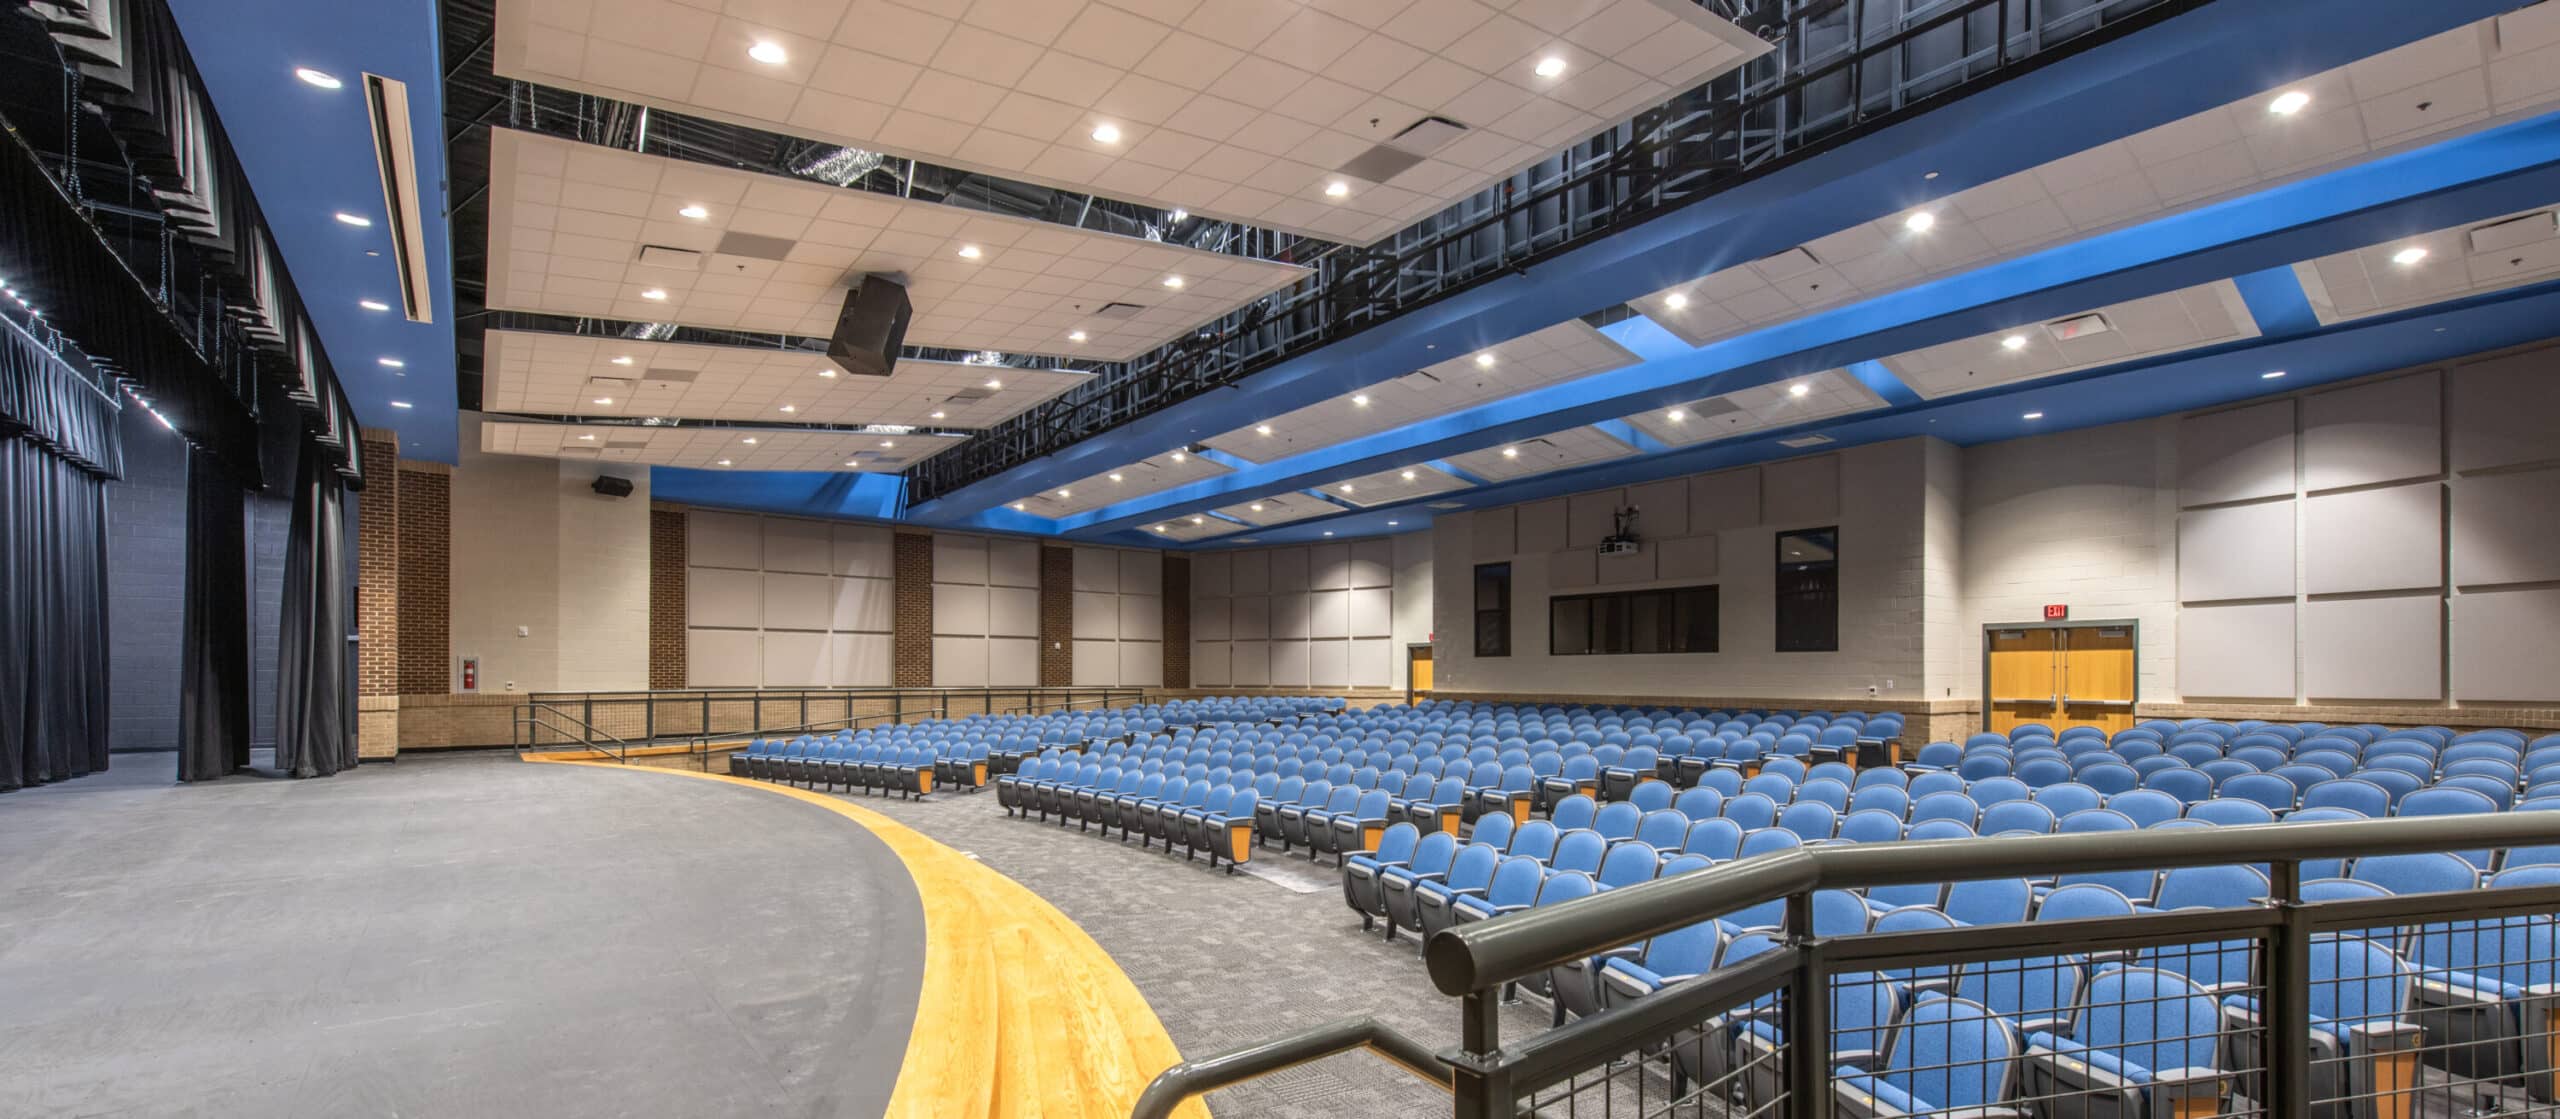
(1021, 1013)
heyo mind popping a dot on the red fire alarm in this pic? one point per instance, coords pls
(2055, 612)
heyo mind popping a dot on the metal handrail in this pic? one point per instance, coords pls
(1059, 705)
(1471, 958)
(701, 745)
(1180, 1083)
(527, 720)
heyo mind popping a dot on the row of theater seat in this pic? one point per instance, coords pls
(910, 758)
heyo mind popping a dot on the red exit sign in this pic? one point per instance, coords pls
(2054, 612)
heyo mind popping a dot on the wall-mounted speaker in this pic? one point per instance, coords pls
(872, 327)
(610, 486)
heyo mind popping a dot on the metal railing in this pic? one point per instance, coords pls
(1180, 1083)
(563, 731)
(2338, 1002)
(701, 743)
(676, 715)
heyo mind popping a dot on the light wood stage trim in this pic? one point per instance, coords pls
(1022, 1014)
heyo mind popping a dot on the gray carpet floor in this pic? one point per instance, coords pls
(455, 936)
(1228, 960)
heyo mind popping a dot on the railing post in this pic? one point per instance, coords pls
(1479, 1088)
(2288, 997)
(1807, 1012)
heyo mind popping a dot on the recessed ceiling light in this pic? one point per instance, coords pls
(392, 363)
(828, 372)
(402, 404)
(1675, 300)
(768, 52)
(1799, 389)
(1511, 452)
(1180, 457)
(1262, 429)
(886, 444)
(696, 212)
(2034, 416)
(1346, 487)
(654, 294)
(935, 416)
(853, 462)
(1361, 399)
(373, 305)
(1064, 493)
(1550, 66)
(1115, 477)
(1174, 282)
(2271, 374)
(1484, 361)
(969, 252)
(2409, 256)
(1328, 532)
(1920, 222)
(749, 440)
(1159, 528)
(588, 438)
(1392, 524)
(604, 400)
(1106, 134)
(2014, 342)
(1075, 336)
(1017, 507)
(2289, 102)
(623, 360)
(1408, 475)
(1931, 176)
(1337, 189)
(1199, 520)
(1257, 507)
(357, 220)
(992, 383)
(724, 462)
(321, 78)
(790, 407)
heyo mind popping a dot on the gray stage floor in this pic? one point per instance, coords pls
(457, 936)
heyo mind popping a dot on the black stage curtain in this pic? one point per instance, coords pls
(213, 686)
(315, 674)
(58, 447)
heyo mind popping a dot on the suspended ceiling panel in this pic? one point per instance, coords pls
(1279, 509)
(2422, 92)
(2494, 255)
(2173, 322)
(1556, 354)
(1391, 487)
(715, 448)
(1194, 527)
(1242, 109)
(566, 374)
(568, 224)
(1826, 395)
(1138, 479)
(1562, 450)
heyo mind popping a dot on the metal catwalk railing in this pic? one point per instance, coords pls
(692, 714)
(2415, 987)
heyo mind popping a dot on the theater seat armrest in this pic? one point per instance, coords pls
(2376, 1038)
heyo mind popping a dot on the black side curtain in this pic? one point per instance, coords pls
(213, 683)
(58, 448)
(315, 675)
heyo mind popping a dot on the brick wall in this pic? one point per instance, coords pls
(1057, 616)
(666, 596)
(378, 566)
(911, 640)
(1177, 621)
(426, 622)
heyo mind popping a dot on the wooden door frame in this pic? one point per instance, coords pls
(2131, 625)
(1409, 650)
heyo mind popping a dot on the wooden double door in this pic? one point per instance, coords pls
(2060, 676)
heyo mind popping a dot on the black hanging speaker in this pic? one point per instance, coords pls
(872, 327)
(611, 486)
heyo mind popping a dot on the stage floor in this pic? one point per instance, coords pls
(446, 936)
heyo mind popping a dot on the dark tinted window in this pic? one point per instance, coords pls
(1493, 610)
(1809, 591)
(1681, 620)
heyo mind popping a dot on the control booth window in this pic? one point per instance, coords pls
(1493, 610)
(1678, 620)
(1809, 591)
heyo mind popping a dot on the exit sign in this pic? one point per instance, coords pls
(2055, 612)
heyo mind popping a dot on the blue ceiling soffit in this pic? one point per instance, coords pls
(2212, 56)
(309, 153)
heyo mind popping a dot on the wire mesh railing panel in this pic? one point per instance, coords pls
(1729, 1065)
(2441, 1019)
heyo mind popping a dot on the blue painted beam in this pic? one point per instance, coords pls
(2277, 302)
(2489, 173)
(2211, 56)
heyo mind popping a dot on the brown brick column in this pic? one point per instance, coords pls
(1057, 616)
(426, 543)
(911, 634)
(1177, 621)
(378, 566)
(667, 554)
